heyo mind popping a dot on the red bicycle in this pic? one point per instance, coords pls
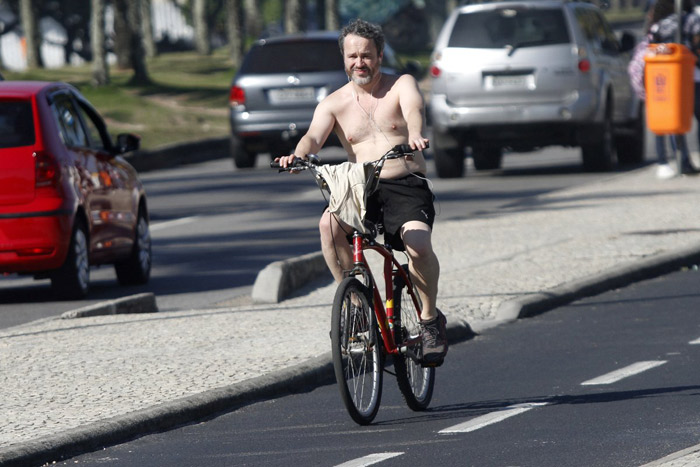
(363, 329)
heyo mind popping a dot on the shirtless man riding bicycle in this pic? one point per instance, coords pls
(371, 114)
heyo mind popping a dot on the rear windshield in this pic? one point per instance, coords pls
(16, 124)
(516, 27)
(297, 57)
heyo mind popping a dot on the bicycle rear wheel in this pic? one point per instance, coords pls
(415, 382)
(357, 351)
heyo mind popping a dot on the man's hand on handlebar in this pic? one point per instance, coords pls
(419, 144)
(287, 161)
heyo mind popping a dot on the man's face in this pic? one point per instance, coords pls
(362, 62)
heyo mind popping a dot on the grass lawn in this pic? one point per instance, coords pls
(187, 100)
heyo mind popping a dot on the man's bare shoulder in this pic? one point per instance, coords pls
(406, 80)
(338, 98)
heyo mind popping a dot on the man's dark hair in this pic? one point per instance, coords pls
(364, 29)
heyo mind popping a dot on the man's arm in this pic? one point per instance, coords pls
(321, 126)
(411, 103)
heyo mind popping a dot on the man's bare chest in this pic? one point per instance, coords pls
(357, 123)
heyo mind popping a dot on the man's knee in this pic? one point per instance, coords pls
(330, 228)
(418, 243)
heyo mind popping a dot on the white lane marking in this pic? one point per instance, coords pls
(370, 459)
(491, 418)
(622, 373)
(695, 342)
(167, 224)
(685, 458)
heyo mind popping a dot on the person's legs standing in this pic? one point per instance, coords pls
(664, 169)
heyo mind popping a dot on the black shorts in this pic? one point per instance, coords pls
(398, 201)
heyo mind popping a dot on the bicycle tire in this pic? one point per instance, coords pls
(415, 381)
(357, 351)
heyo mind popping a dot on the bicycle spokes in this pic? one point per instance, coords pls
(357, 355)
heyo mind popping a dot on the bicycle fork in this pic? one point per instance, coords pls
(384, 314)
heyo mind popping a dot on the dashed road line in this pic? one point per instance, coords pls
(695, 342)
(172, 223)
(491, 418)
(625, 372)
(370, 459)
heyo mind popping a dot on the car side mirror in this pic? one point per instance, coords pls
(627, 41)
(127, 142)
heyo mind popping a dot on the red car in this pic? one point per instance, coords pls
(68, 200)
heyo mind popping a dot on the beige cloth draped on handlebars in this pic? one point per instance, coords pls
(346, 183)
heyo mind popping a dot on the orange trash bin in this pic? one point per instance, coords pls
(668, 79)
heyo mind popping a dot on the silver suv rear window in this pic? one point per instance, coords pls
(16, 124)
(516, 27)
(296, 57)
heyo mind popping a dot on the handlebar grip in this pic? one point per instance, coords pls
(312, 159)
(406, 148)
(297, 163)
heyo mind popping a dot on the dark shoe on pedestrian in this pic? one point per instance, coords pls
(434, 337)
(688, 169)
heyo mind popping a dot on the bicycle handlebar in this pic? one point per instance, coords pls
(400, 150)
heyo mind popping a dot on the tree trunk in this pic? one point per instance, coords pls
(149, 43)
(294, 16)
(252, 18)
(32, 35)
(122, 34)
(234, 29)
(137, 53)
(332, 15)
(100, 68)
(201, 27)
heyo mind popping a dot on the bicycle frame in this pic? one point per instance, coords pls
(385, 315)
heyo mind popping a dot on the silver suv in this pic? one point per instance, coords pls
(277, 88)
(523, 75)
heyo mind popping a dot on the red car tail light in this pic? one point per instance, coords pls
(37, 251)
(435, 71)
(46, 170)
(584, 65)
(237, 96)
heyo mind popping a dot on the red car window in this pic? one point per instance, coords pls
(16, 124)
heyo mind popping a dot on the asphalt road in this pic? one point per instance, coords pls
(215, 228)
(609, 380)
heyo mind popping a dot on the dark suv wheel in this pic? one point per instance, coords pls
(599, 155)
(242, 158)
(487, 157)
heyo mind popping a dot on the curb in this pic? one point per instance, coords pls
(647, 268)
(282, 278)
(94, 436)
(176, 155)
(140, 303)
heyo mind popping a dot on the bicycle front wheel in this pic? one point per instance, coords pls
(357, 352)
(415, 382)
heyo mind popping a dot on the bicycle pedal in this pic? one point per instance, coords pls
(432, 364)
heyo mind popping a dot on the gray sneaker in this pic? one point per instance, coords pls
(434, 337)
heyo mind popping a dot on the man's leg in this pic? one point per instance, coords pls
(423, 264)
(334, 245)
(425, 272)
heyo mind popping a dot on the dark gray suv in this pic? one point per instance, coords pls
(523, 75)
(277, 88)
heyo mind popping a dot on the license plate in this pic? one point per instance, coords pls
(292, 95)
(509, 82)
